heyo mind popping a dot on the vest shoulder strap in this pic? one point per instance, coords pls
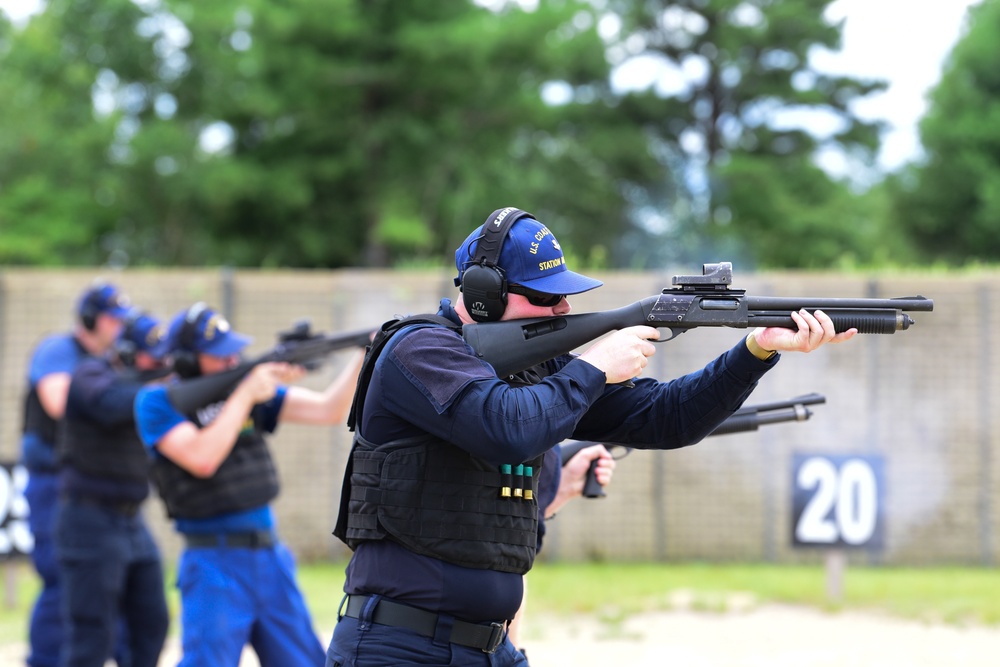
(374, 349)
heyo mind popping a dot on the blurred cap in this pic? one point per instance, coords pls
(147, 333)
(203, 330)
(103, 298)
(531, 256)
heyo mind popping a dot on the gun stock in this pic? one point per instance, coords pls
(747, 418)
(297, 346)
(695, 301)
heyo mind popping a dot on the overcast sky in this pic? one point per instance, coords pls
(902, 41)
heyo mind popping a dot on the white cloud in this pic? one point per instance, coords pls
(20, 10)
(904, 42)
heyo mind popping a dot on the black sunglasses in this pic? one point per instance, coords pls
(540, 299)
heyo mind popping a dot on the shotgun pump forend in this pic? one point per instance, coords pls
(707, 300)
(747, 418)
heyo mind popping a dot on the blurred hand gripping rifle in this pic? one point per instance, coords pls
(747, 418)
(696, 301)
(299, 346)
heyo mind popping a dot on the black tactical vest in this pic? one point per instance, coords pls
(245, 480)
(114, 451)
(435, 498)
(36, 420)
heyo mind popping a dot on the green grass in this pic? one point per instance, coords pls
(945, 595)
(611, 592)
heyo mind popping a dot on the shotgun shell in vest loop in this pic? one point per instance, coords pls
(528, 492)
(505, 480)
(519, 480)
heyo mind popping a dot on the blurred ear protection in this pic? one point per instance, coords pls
(89, 309)
(484, 283)
(185, 357)
(125, 347)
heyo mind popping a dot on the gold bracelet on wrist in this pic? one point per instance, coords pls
(757, 351)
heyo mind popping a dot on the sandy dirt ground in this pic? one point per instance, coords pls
(766, 636)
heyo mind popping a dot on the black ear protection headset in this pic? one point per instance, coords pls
(483, 282)
(185, 357)
(125, 347)
(88, 307)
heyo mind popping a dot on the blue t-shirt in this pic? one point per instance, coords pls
(155, 416)
(429, 381)
(58, 353)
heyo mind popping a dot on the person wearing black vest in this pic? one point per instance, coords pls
(99, 313)
(109, 565)
(214, 472)
(439, 499)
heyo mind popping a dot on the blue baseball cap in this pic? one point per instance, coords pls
(103, 298)
(531, 256)
(147, 333)
(203, 330)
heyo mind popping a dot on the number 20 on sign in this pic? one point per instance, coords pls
(837, 500)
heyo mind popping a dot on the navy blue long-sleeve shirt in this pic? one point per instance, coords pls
(428, 380)
(101, 394)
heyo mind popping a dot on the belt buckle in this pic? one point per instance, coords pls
(496, 637)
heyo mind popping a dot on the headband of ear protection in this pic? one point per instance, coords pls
(125, 347)
(484, 283)
(185, 357)
(89, 309)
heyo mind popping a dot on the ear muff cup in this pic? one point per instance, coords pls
(89, 313)
(125, 348)
(185, 357)
(484, 283)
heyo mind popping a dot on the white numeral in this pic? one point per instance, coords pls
(844, 506)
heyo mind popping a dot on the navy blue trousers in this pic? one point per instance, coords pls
(45, 633)
(111, 575)
(358, 642)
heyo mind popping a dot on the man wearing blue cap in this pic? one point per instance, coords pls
(109, 565)
(100, 311)
(440, 495)
(214, 472)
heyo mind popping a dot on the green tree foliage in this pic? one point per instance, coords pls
(745, 67)
(57, 199)
(351, 132)
(377, 132)
(792, 215)
(949, 204)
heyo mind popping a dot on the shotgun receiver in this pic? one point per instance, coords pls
(297, 346)
(747, 418)
(695, 301)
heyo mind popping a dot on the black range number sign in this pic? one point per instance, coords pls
(15, 535)
(837, 500)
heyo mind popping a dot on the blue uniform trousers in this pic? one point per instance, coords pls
(110, 571)
(45, 632)
(234, 596)
(358, 642)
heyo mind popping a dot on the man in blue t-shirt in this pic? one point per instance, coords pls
(214, 472)
(439, 502)
(99, 314)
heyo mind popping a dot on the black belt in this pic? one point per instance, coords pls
(127, 508)
(255, 539)
(484, 637)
